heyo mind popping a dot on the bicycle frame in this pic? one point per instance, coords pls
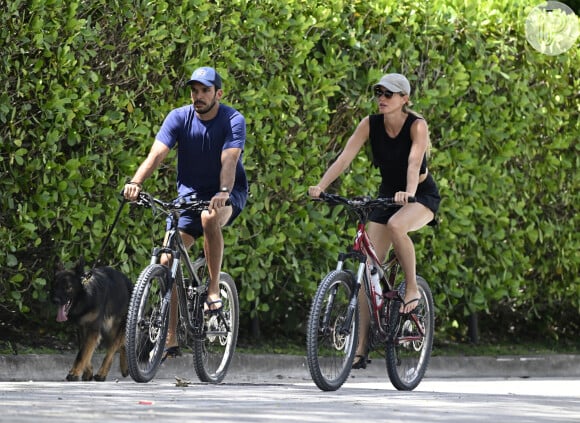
(364, 252)
(175, 248)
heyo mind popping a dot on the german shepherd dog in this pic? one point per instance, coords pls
(98, 303)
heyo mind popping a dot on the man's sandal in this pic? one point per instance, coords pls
(212, 311)
(171, 352)
(362, 361)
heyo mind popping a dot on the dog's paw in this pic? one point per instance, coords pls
(99, 378)
(72, 378)
(88, 375)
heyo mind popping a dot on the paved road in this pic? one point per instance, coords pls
(435, 400)
(272, 388)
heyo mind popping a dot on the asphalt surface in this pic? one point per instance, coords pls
(278, 388)
(277, 368)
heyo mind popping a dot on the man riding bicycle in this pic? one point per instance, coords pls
(210, 139)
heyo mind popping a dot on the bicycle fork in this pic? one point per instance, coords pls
(353, 303)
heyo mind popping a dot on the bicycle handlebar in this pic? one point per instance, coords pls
(361, 202)
(182, 203)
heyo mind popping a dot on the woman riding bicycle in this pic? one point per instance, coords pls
(399, 142)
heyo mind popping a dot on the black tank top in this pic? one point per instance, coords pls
(391, 155)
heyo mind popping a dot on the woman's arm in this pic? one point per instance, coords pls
(420, 142)
(353, 146)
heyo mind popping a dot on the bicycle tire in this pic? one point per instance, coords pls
(407, 361)
(213, 352)
(330, 353)
(147, 323)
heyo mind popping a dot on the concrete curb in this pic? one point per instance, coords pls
(275, 367)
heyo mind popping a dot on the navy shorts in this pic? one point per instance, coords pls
(190, 221)
(427, 194)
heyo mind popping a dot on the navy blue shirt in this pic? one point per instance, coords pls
(199, 147)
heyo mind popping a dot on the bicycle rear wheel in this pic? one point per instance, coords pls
(409, 351)
(213, 352)
(147, 322)
(330, 340)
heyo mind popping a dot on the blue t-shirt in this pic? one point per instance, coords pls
(199, 147)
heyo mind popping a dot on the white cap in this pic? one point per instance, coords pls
(396, 83)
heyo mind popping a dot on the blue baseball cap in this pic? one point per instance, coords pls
(206, 76)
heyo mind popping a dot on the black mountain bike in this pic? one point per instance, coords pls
(212, 337)
(333, 324)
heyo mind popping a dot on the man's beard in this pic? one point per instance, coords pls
(203, 111)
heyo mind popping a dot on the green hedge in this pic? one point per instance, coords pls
(87, 84)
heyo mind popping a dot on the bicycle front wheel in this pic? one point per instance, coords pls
(213, 351)
(409, 350)
(147, 322)
(332, 335)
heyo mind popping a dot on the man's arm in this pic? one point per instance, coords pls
(156, 155)
(230, 157)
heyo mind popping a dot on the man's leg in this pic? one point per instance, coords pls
(213, 243)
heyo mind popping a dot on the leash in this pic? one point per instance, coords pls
(98, 261)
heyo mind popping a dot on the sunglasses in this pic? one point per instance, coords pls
(386, 93)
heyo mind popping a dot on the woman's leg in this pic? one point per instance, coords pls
(410, 217)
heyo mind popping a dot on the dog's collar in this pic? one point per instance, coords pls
(87, 277)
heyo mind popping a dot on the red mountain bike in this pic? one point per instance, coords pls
(333, 324)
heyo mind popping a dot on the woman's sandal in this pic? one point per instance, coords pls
(410, 302)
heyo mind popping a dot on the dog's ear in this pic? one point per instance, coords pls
(80, 266)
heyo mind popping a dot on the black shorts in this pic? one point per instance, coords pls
(190, 221)
(427, 194)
